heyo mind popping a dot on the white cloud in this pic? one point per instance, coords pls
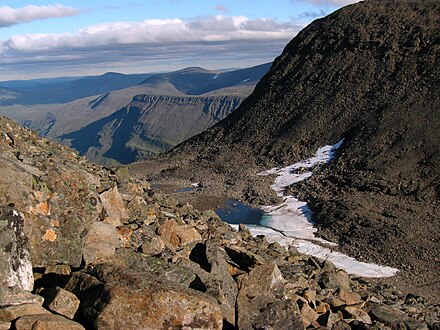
(157, 31)
(10, 16)
(210, 40)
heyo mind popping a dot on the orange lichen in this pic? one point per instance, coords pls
(50, 235)
(43, 208)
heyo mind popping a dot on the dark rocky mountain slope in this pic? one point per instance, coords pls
(368, 73)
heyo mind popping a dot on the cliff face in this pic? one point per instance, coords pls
(368, 73)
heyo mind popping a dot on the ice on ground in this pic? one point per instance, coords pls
(290, 223)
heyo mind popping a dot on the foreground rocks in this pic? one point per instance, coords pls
(150, 262)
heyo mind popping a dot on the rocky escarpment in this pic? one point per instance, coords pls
(368, 73)
(86, 248)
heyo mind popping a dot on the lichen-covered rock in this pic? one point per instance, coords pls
(129, 299)
(100, 243)
(10, 313)
(46, 322)
(15, 263)
(60, 301)
(176, 236)
(114, 206)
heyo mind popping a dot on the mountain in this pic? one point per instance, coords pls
(368, 74)
(64, 90)
(124, 125)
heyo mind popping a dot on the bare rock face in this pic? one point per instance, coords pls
(54, 190)
(126, 299)
(15, 263)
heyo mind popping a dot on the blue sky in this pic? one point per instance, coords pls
(65, 38)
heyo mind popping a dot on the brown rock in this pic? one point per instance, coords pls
(46, 322)
(175, 236)
(5, 325)
(341, 325)
(153, 247)
(308, 315)
(349, 298)
(58, 269)
(11, 313)
(101, 242)
(328, 319)
(334, 280)
(130, 299)
(114, 206)
(388, 315)
(14, 296)
(60, 301)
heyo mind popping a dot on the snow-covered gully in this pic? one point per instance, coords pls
(290, 223)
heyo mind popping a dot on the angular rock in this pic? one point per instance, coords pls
(46, 322)
(129, 299)
(388, 315)
(308, 315)
(334, 280)
(11, 313)
(153, 247)
(15, 259)
(341, 325)
(58, 269)
(261, 287)
(60, 301)
(100, 243)
(5, 325)
(175, 236)
(281, 315)
(349, 298)
(114, 206)
(213, 277)
(15, 296)
(243, 258)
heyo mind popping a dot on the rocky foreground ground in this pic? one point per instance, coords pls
(83, 248)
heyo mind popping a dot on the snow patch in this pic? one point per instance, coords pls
(290, 223)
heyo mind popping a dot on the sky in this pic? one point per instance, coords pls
(43, 39)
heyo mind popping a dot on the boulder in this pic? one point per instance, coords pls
(16, 296)
(334, 280)
(175, 236)
(153, 247)
(259, 289)
(46, 322)
(10, 313)
(126, 298)
(388, 315)
(100, 243)
(60, 301)
(114, 207)
(15, 260)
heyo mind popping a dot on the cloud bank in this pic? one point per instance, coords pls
(10, 16)
(150, 41)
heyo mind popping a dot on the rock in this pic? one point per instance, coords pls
(388, 315)
(176, 236)
(125, 233)
(114, 206)
(58, 270)
(130, 299)
(308, 315)
(245, 259)
(46, 322)
(261, 287)
(11, 313)
(334, 280)
(60, 301)
(5, 325)
(153, 247)
(213, 275)
(15, 296)
(328, 319)
(415, 324)
(341, 325)
(280, 315)
(100, 243)
(15, 259)
(138, 210)
(349, 298)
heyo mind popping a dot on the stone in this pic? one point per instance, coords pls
(4, 325)
(60, 301)
(176, 236)
(349, 298)
(308, 315)
(16, 296)
(280, 315)
(328, 319)
(15, 259)
(138, 210)
(245, 259)
(124, 234)
(153, 247)
(114, 207)
(388, 315)
(58, 269)
(13, 312)
(415, 324)
(100, 243)
(341, 325)
(133, 299)
(208, 263)
(261, 287)
(46, 322)
(334, 280)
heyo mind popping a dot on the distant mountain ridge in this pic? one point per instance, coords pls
(121, 125)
